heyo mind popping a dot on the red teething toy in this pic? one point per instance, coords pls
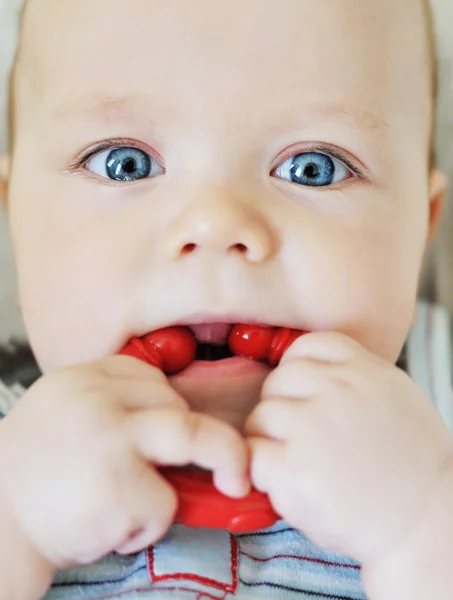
(200, 504)
(171, 349)
(262, 343)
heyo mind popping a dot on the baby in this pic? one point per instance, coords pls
(205, 163)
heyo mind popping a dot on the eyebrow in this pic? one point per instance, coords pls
(102, 107)
(107, 107)
(356, 116)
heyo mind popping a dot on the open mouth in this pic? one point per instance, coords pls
(213, 352)
(219, 346)
(211, 333)
(212, 341)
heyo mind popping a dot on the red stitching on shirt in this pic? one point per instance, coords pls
(196, 595)
(206, 596)
(234, 562)
(301, 558)
(229, 588)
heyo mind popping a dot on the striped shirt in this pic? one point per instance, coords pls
(276, 564)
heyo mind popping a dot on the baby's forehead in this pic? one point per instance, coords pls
(288, 57)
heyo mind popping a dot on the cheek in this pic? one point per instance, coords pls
(363, 277)
(73, 287)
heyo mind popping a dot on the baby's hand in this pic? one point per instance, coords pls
(347, 447)
(80, 451)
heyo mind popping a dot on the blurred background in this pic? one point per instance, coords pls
(10, 322)
(438, 280)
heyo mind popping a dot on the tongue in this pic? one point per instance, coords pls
(216, 333)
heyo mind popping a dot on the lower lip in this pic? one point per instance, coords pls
(228, 368)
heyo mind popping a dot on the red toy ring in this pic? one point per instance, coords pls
(173, 349)
(262, 343)
(200, 504)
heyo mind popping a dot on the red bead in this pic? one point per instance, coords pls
(148, 354)
(200, 504)
(176, 346)
(262, 343)
(251, 341)
(250, 521)
(282, 340)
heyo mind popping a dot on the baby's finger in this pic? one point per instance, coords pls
(129, 367)
(298, 378)
(329, 347)
(135, 394)
(151, 503)
(267, 463)
(276, 418)
(171, 437)
(289, 491)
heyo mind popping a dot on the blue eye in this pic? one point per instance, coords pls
(313, 169)
(124, 164)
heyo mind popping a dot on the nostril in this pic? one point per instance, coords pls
(189, 248)
(241, 248)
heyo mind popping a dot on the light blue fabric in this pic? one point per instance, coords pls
(278, 563)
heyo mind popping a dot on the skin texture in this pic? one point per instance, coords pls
(117, 252)
(220, 108)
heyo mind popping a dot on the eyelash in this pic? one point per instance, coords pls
(321, 149)
(81, 162)
(293, 151)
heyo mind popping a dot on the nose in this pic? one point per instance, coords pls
(222, 226)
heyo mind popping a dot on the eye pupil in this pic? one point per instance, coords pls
(311, 171)
(130, 166)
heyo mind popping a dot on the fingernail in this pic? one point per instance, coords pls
(233, 485)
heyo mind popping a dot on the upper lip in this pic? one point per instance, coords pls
(209, 328)
(211, 318)
(207, 318)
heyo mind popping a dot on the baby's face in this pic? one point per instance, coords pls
(196, 162)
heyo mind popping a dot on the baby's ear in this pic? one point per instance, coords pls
(437, 193)
(4, 178)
